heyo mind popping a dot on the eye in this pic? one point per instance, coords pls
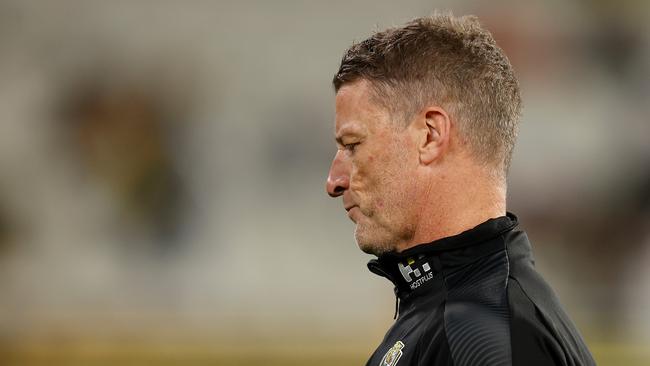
(351, 147)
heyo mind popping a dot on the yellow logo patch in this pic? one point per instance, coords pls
(393, 355)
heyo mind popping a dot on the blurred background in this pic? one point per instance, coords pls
(162, 171)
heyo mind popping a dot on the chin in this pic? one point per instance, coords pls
(371, 245)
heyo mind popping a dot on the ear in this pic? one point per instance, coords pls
(436, 125)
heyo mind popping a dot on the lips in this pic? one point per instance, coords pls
(352, 213)
(349, 204)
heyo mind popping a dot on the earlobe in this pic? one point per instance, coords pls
(438, 128)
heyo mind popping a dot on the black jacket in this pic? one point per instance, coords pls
(475, 299)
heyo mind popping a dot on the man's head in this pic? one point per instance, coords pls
(417, 107)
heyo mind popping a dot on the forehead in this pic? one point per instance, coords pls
(356, 111)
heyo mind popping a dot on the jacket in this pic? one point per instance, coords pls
(475, 299)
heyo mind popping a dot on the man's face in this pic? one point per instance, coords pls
(374, 170)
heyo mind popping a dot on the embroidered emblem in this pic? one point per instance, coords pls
(392, 356)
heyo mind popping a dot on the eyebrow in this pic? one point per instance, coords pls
(347, 132)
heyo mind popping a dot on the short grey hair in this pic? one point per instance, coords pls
(451, 61)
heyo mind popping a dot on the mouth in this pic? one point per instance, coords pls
(348, 208)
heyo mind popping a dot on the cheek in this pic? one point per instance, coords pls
(399, 184)
(363, 172)
(357, 177)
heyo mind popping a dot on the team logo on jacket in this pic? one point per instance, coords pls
(392, 356)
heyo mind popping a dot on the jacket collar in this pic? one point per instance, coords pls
(411, 269)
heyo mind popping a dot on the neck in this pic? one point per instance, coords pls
(456, 203)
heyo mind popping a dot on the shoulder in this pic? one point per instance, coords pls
(542, 333)
(533, 338)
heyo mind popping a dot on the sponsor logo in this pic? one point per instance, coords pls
(413, 275)
(393, 355)
(421, 280)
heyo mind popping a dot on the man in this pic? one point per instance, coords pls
(426, 121)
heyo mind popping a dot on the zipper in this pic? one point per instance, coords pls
(396, 304)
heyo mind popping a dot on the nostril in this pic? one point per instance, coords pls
(334, 193)
(335, 190)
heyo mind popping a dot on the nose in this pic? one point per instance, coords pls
(338, 179)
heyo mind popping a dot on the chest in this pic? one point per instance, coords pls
(414, 338)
